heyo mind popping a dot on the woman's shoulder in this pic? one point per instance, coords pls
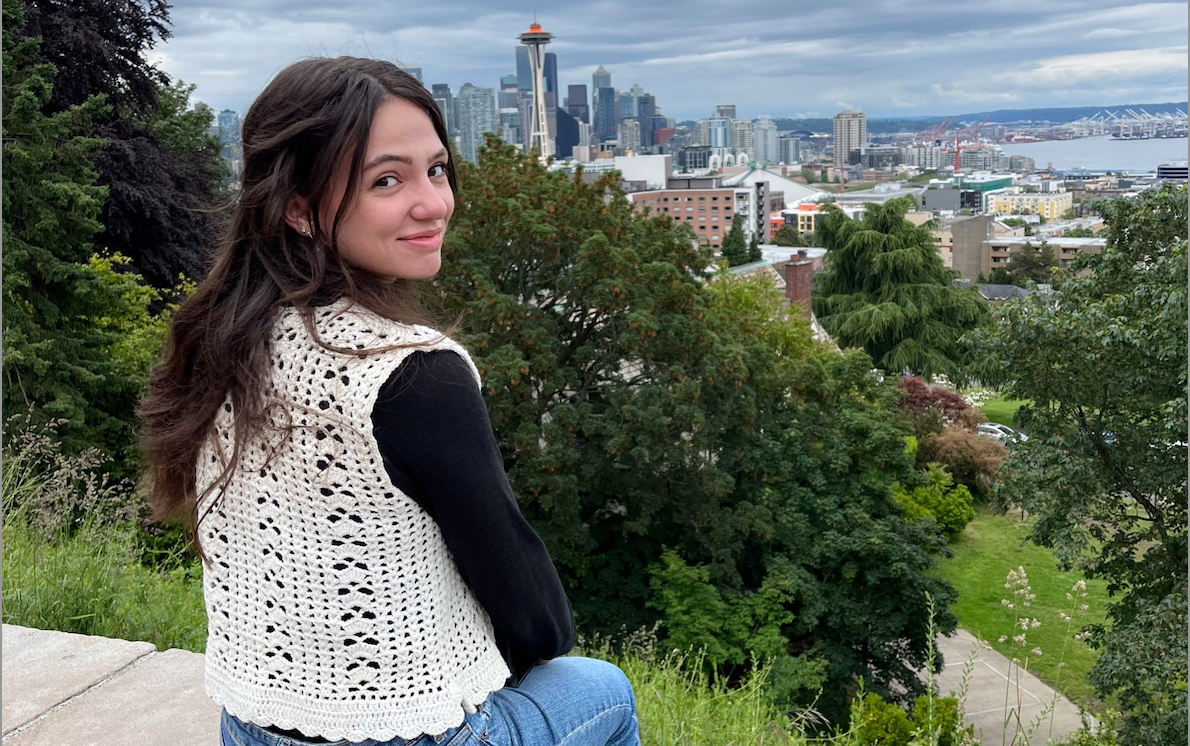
(352, 326)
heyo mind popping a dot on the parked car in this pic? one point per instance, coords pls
(1003, 434)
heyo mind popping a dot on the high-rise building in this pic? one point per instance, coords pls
(446, 104)
(789, 149)
(630, 134)
(851, 134)
(551, 74)
(477, 115)
(741, 136)
(600, 79)
(569, 133)
(509, 95)
(604, 113)
(718, 131)
(576, 103)
(627, 105)
(414, 70)
(764, 140)
(725, 110)
(524, 75)
(535, 40)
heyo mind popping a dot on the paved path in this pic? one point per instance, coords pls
(61, 689)
(987, 687)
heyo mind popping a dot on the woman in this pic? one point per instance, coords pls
(367, 573)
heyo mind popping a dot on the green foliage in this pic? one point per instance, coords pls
(639, 407)
(56, 361)
(934, 496)
(886, 290)
(788, 235)
(1103, 361)
(876, 722)
(735, 247)
(1032, 264)
(754, 253)
(880, 722)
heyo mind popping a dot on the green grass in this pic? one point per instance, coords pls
(92, 584)
(984, 553)
(1002, 410)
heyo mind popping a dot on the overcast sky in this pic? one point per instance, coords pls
(778, 57)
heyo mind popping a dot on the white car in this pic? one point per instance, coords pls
(1003, 434)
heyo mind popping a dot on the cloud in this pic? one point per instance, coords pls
(1071, 70)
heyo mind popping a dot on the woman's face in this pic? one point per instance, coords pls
(403, 202)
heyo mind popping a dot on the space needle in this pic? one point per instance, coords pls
(539, 129)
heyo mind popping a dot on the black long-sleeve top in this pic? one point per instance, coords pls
(433, 431)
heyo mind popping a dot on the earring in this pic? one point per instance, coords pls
(304, 230)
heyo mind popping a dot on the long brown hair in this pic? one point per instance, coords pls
(315, 115)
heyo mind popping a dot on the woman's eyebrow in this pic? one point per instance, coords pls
(387, 157)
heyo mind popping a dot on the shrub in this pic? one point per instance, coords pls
(972, 459)
(936, 497)
(921, 398)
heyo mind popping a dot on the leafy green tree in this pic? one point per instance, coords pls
(1031, 264)
(886, 290)
(735, 246)
(933, 494)
(641, 408)
(787, 235)
(1000, 276)
(57, 361)
(1103, 362)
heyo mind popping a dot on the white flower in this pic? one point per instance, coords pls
(1036, 651)
(1003, 638)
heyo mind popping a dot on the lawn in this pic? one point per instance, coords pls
(1002, 410)
(990, 547)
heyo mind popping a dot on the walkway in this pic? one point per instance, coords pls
(61, 689)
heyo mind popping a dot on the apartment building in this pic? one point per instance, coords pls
(709, 210)
(977, 250)
(1017, 201)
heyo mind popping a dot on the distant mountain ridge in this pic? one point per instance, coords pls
(1054, 115)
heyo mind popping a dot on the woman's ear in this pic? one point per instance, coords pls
(297, 215)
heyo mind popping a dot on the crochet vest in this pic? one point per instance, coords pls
(333, 604)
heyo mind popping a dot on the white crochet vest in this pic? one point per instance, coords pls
(333, 604)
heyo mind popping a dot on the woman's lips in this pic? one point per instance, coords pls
(428, 240)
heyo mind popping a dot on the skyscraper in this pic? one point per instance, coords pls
(477, 115)
(601, 79)
(446, 104)
(576, 103)
(524, 74)
(764, 140)
(851, 134)
(551, 75)
(604, 113)
(725, 110)
(415, 71)
(535, 40)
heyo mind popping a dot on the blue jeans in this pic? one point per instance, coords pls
(567, 701)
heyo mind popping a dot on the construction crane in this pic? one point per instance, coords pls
(935, 133)
(972, 132)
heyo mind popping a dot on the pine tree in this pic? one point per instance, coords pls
(735, 246)
(754, 253)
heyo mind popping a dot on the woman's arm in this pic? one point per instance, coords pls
(432, 427)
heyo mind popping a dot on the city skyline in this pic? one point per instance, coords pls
(885, 58)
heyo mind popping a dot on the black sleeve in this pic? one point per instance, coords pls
(433, 430)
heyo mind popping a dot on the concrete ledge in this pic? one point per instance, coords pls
(62, 689)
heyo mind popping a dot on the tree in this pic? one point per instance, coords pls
(754, 253)
(1029, 264)
(886, 290)
(735, 246)
(641, 409)
(787, 235)
(1103, 361)
(161, 168)
(57, 361)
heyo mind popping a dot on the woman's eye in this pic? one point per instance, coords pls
(387, 181)
(438, 170)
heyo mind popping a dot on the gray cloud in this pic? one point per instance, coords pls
(885, 57)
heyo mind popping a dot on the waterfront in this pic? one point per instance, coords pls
(1101, 153)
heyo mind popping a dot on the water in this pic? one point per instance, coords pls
(1101, 153)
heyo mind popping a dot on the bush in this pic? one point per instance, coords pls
(952, 507)
(921, 398)
(972, 459)
(879, 723)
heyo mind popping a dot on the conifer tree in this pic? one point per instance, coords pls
(735, 246)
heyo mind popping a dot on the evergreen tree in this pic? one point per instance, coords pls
(787, 235)
(754, 253)
(735, 246)
(885, 289)
(1028, 263)
(56, 358)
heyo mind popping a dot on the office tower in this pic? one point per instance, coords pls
(509, 95)
(727, 111)
(535, 40)
(229, 127)
(551, 74)
(627, 105)
(477, 115)
(851, 134)
(764, 140)
(604, 113)
(524, 73)
(446, 104)
(569, 132)
(600, 79)
(576, 103)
